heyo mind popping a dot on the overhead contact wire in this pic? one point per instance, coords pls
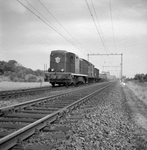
(60, 24)
(97, 29)
(56, 30)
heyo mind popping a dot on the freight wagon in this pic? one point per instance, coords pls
(96, 74)
(67, 68)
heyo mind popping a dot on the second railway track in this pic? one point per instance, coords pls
(22, 120)
(24, 92)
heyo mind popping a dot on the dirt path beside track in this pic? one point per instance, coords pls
(138, 107)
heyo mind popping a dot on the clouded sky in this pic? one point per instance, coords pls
(79, 26)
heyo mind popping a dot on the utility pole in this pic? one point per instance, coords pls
(121, 64)
(44, 67)
(88, 57)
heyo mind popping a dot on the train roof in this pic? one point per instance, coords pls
(63, 51)
(59, 51)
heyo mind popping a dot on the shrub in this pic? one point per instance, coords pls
(15, 79)
(32, 78)
(139, 88)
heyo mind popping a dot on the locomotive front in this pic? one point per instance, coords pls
(60, 68)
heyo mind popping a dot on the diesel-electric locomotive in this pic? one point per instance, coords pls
(67, 68)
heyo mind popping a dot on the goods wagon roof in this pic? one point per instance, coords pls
(96, 68)
(83, 59)
(86, 61)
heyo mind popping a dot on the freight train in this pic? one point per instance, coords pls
(67, 68)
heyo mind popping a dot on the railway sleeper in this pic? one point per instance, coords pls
(41, 108)
(45, 108)
(25, 115)
(38, 147)
(7, 110)
(3, 134)
(54, 117)
(70, 121)
(52, 132)
(59, 102)
(62, 128)
(76, 117)
(12, 126)
(36, 111)
(28, 120)
(56, 106)
(57, 136)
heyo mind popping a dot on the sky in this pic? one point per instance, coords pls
(31, 29)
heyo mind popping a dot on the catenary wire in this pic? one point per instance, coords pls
(62, 25)
(49, 24)
(97, 30)
(112, 25)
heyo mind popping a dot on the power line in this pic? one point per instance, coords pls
(61, 25)
(48, 24)
(58, 21)
(96, 25)
(112, 25)
(101, 33)
(97, 29)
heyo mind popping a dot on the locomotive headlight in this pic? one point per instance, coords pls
(62, 70)
(52, 69)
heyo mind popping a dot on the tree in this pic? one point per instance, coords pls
(139, 77)
(1, 71)
(32, 78)
(145, 77)
(17, 72)
(2, 66)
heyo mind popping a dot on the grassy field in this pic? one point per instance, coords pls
(20, 85)
(140, 89)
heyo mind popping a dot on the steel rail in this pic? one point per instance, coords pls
(19, 92)
(10, 140)
(22, 92)
(11, 108)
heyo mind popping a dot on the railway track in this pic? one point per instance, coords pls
(24, 92)
(21, 121)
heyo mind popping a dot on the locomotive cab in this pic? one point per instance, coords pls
(58, 61)
(67, 68)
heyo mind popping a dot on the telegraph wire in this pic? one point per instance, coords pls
(61, 24)
(97, 28)
(112, 24)
(95, 25)
(101, 33)
(51, 26)
(99, 25)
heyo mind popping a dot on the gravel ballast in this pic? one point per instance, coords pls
(109, 124)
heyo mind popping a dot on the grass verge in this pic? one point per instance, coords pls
(140, 90)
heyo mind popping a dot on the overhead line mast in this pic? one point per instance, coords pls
(121, 64)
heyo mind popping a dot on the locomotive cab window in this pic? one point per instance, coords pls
(71, 59)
